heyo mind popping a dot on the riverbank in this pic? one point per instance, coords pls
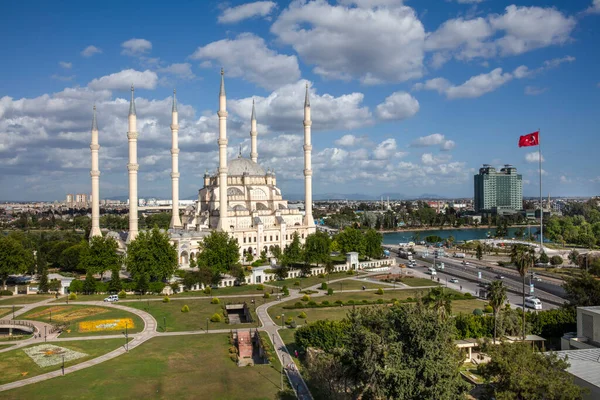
(449, 228)
(459, 234)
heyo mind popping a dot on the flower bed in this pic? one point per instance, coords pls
(46, 355)
(68, 314)
(106, 325)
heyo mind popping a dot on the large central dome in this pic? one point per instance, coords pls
(239, 166)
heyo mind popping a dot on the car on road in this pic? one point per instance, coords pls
(533, 302)
(465, 262)
(432, 271)
(499, 276)
(453, 280)
(537, 278)
(440, 266)
(111, 299)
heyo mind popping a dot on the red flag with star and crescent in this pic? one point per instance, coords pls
(533, 139)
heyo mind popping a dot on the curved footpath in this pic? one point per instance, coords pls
(150, 330)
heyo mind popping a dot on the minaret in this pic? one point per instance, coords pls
(95, 174)
(175, 220)
(223, 224)
(253, 133)
(308, 217)
(132, 167)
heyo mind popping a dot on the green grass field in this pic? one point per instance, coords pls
(109, 313)
(419, 282)
(7, 311)
(228, 291)
(29, 299)
(16, 365)
(354, 284)
(195, 319)
(101, 297)
(183, 367)
(308, 281)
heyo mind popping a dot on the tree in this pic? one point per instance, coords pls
(317, 248)
(323, 334)
(14, 259)
(70, 257)
(43, 285)
(440, 301)
(556, 260)
(544, 258)
(373, 240)
(220, 252)
(76, 286)
(582, 291)
(351, 239)
(573, 257)
(151, 254)
(433, 239)
(142, 283)
(516, 371)
(293, 252)
(479, 252)
(100, 255)
(115, 284)
(524, 258)
(89, 285)
(497, 298)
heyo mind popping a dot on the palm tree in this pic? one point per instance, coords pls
(524, 258)
(439, 300)
(497, 298)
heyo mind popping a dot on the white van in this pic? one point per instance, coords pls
(440, 265)
(432, 271)
(112, 298)
(533, 302)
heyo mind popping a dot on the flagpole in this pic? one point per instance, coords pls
(541, 200)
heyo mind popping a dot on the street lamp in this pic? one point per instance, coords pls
(50, 315)
(282, 315)
(206, 325)
(63, 365)
(45, 333)
(13, 312)
(126, 338)
(165, 323)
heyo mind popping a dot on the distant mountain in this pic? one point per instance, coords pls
(430, 196)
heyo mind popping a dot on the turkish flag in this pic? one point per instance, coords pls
(532, 139)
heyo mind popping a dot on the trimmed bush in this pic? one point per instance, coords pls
(72, 296)
(379, 291)
(488, 309)
(312, 303)
(207, 290)
(556, 260)
(350, 272)
(285, 291)
(365, 301)
(289, 320)
(122, 294)
(305, 297)
(216, 318)
(296, 283)
(350, 302)
(323, 285)
(468, 296)
(267, 295)
(325, 303)
(380, 301)
(409, 299)
(6, 293)
(260, 287)
(302, 315)
(321, 276)
(185, 308)
(215, 300)
(339, 302)
(298, 304)
(166, 299)
(329, 291)
(292, 325)
(478, 312)
(284, 287)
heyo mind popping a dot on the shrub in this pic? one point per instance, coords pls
(267, 295)
(156, 287)
(259, 287)
(488, 309)
(394, 300)
(325, 303)
(350, 272)
(467, 295)
(312, 303)
(380, 301)
(289, 320)
(478, 312)
(324, 286)
(302, 315)
(396, 303)
(305, 297)
(185, 308)
(216, 318)
(329, 291)
(122, 294)
(284, 287)
(6, 293)
(339, 302)
(556, 260)
(321, 276)
(379, 291)
(365, 301)
(298, 304)
(72, 296)
(286, 291)
(292, 324)
(207, 290)
(350, 302)
(296, 283)
(215, 300)
(166, 299)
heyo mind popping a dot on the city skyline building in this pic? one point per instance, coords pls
(499, 192)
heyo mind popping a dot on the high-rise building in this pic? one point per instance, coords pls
(498, 191)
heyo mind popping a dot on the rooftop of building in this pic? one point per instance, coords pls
(585, 364)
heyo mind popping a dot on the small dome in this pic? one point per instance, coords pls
(239, 166)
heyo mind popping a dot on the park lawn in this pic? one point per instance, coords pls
(101, 297)
(354, 284)
(15, 363)
(418, 282)
(109, 313)
(7, 311)
(228, 291)
(177, 367)
(195, 319)
(28, 299)
(308, 281)
(467, 306)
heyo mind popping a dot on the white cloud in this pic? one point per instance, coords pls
(249, 10)
(533, 157)
(564, 179)
(398, 106)
(594, 8)
(136, 47)
(534, 91)
(448, 145)
(555, 62)
(378, 41)
(65, 65)
(182, 70)
(518, 30)
(434, 139)
(90, 51)
(247, 56)
(469, 1)
(385, 149)
(350, 141)
(124, 79)
(430, 159)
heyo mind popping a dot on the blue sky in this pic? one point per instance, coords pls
(407, 97)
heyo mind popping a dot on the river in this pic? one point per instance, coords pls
(459, 234)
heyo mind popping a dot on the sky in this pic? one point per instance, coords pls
(407, 97)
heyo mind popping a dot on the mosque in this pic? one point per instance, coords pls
(256, 213)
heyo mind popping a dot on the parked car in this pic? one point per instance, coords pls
(112, 298)
(453, 280)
